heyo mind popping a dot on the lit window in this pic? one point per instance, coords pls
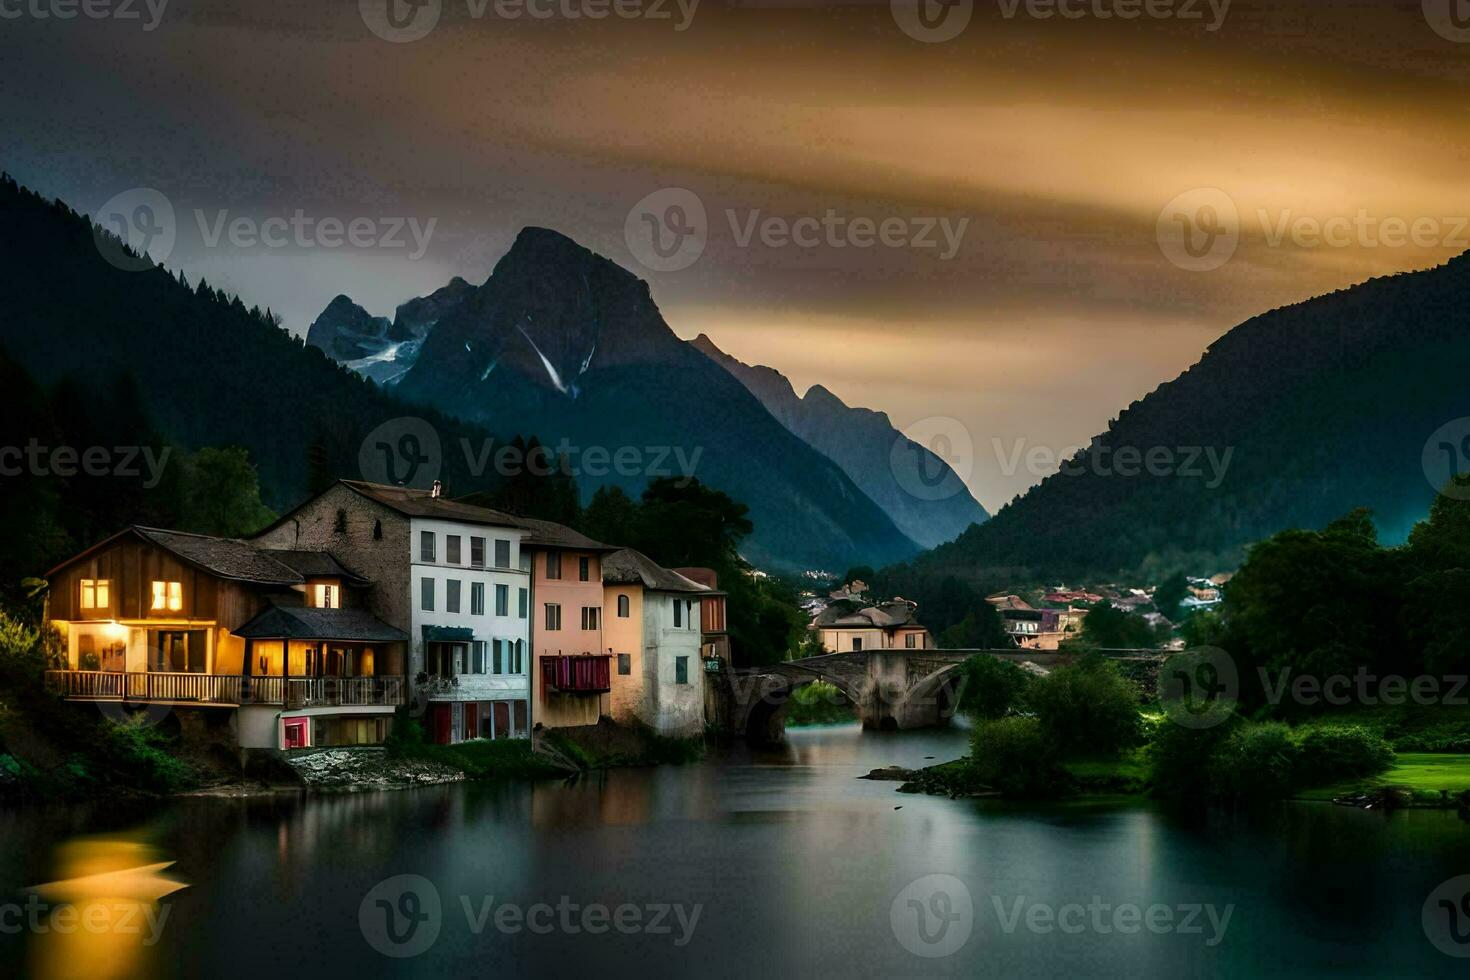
(328, 597)
(95, 593)
(168, 596)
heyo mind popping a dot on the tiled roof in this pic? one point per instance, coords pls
(422, 503)
(317, 564)
(629, 567)
(308, 623)
(889, 615)
(225, 557)
(549, 534)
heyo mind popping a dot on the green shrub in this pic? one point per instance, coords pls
(1255, 763)
(141, 756)
(1179, 759)
(818, 703)
(990, 688)
(1015, 757)
(1086, 709)
(1432, 742)
(1333, 753)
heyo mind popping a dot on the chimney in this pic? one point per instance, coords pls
(436, 490)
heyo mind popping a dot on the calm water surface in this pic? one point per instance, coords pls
(794, 865)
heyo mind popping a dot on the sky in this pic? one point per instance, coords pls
(997, 226)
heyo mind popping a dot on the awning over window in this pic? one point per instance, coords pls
(448, 634)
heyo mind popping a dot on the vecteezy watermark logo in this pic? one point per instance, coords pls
(120, 918)
(125, 462)
(933, 916)
(932, 459)
(1198, 688)
(400, 21)
(1199, 230)
(834, 230)
(1449, 18)
(1181, 10)
(401, 917)
(932, 21)
(403, 451)
(1206, 463)
(300, 230)
(1446, 459)
(135, 230)
(1105, 918)
(1446, 917)
(667, 230)
(120, 10)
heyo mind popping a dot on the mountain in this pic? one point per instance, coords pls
(209, 371)
(377, 347)
(572, 347)
(1291, 419)
(923, 496)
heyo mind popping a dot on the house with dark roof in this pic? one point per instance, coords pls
(279, 648)
(654, 630)
(454, 576)
(849, 626)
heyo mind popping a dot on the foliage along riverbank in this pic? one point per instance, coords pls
(1085, 730)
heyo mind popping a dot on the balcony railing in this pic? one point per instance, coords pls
(227, 689)
(590, 674)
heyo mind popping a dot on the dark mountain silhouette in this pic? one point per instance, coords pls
(208, 371)
(917, 489)
(1324, 406)
(375, 346)
(572, 347)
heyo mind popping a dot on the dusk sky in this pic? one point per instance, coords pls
(1054, 144)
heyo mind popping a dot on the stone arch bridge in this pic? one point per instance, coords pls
(891, 689)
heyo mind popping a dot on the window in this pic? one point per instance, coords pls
(426, 546)
(502, 600)
(689, 611)
(591, 616)
(497, 665)
(426, 594)
(625, 664)
(553, 564)
(502, 553)
(678, 613)
(909, 640)
(523, 601)
(451, 549)
(477, 552)
(584, 569)
(477, 657)
(520, 664)
(553, 616)
(623, 607)
(477, 598)
(168, 596)
(328, 596)
(451, 595)
(857, 643)
(96, 593)
(681, 670)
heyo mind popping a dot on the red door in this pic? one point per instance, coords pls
(502, 719)
(471, 721)
(440, 722)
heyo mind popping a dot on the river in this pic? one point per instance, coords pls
(769, 863)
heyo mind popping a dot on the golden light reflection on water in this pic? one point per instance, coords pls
(104, 914)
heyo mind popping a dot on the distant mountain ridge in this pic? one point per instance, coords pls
(882, 461)
(377, 347)
(1322, 407)
(565, 344)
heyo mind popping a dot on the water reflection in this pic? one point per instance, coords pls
(103, 916)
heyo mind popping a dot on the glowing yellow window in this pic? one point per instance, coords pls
(328, 597)
(96, 593)
(168, 595)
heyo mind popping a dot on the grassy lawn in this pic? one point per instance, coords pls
(1124, 774)
(1424, 772)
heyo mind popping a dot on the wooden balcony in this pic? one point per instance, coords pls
(225, 689)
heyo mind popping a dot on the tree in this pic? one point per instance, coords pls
(611, 517)
(1109, 628)
(982, 629)
(1170, 593)
(1086, 708)
(222, 494)
(989, 687)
